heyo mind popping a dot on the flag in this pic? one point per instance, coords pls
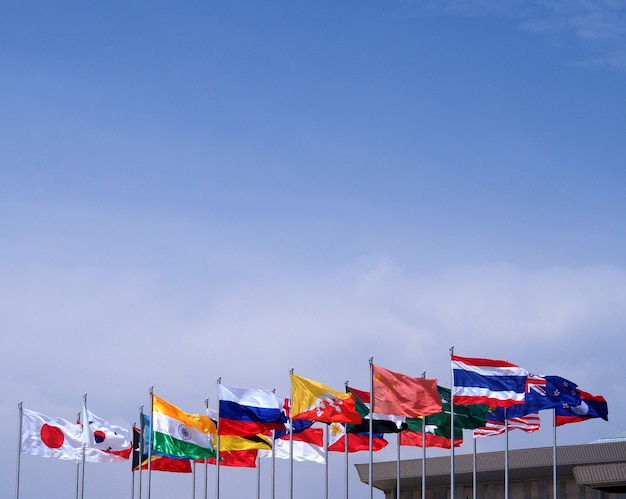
(495, 423)
(308, 445)
(317, 402)
(436, 436)
(236, 459)
(104, 442)
(591, 406)
(356, 441)
(177, 433)
(438, 426)
(545, 392)
(382, 423)
(484, 381)
(47, 436)
(240, 442)
(244, 411)
(159, 463)
(401, 395)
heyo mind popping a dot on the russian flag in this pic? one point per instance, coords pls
(245, 411)
(484, 381)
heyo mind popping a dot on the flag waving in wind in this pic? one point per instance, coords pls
(245, 411)
(47, 436)
(484, 381)
(104, 442)
(317, 402)
(402, 395)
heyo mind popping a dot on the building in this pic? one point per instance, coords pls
(591, 471)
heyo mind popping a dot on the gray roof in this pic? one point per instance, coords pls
(523, 464)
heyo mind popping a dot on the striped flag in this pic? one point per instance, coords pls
(484, 381)
(495, 423)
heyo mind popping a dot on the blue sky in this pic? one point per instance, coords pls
(237, 188)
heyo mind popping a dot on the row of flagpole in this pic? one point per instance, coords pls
(80, 475)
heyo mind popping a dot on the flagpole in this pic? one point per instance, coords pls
(371, 449)
(85, 434)
(506, 457)
(206, 459)
(398, 466)
(258, 477)
(217, 451)
(346, 474)
(77, 464)
(19, 450)
(554, 457)
(132, 471)
(291, 440)
(193, 479)
(423, 449)
(474, 495)
(326, 459)
(150, 440)
(274, 463)
(452, 425)
(142, 437)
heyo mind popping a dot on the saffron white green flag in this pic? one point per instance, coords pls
(47, 436)
(179, 434)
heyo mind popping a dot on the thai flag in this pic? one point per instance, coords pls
(484, 381)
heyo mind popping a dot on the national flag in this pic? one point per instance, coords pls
(308, 445)
(495, 423)
(48, 436)
(177, 433)
(104, 442)
(236, 459)
(591, 406)
(436, 435)
(356, 441)
(244, 411)
(317, 402)
(545, 392)
(401, 395)
(240, 442)
(484, 381)
(158, 463)
(382, 423)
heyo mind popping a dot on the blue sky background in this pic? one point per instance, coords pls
(238, 188)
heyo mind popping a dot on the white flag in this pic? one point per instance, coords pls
(50, 437)
(105, 443)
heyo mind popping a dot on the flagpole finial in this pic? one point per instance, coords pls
(371, 360)
(346, 384)
(219, 380)
(291, 371)
(151, 390)
(452, 350)
(423, 374)
(206, 403)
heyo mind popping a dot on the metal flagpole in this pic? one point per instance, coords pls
(217, 451)
(506, 457)
(371, 449)
(132, 471)
(346, 474)
(452, 425)
(85, 434)
(291, 440)
(19, 451)
(193, 479)
(398, 466)
(273, 474)
(258, 477)
(474, 481)
(554, 456)
(77, 465)
(206, 460)
(150, 440)
(326, 459)
(423, 450)
(142, 437)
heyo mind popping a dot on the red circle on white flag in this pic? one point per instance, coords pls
(52, 436)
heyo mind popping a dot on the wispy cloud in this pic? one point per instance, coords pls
(598, 27)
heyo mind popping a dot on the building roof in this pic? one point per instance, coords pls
(598, 465)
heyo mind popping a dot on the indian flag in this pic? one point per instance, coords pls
(179, 434)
